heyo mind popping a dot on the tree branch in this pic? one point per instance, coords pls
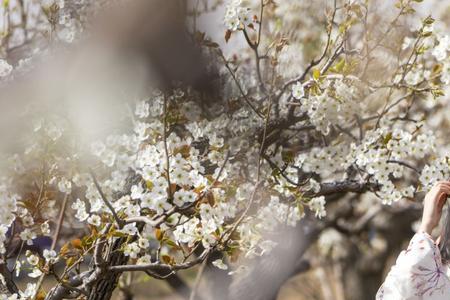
(119, 222)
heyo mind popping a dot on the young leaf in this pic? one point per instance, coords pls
(167, 259)
(77, 243)
(159, 234)
(227, 35)
(316, 74)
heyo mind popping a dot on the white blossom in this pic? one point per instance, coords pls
(5, 68)
(220, 264)
(94, 220)
(297, 90)
(317, 205)
(65, 186)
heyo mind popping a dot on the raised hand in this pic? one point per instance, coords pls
(433, 203)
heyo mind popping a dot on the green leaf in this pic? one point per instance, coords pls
(437, 93)
(428, 21)
(149, 184)
(421, 50)
(287, 156)
(301, 208)
(70, 261)
(278, 24)
(339, 67)
(172, 244)
(316, 74)
(387, 138)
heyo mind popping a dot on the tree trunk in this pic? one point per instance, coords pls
(8, 287)
(217, 281)
(269, 272)
(104, 287)
(125, 295)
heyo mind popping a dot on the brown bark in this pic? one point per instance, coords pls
(9, 287)
(103, 288)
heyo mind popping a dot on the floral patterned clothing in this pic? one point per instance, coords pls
(418, 273)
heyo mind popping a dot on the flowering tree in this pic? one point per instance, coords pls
(312, 109)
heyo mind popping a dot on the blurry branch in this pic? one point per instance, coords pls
(347, 132)
(367, 33)
(314, 62)
(178, 284)
(238, 84)
(405, 164)
(386, 108)
(160, 267)
(8, 286)
(60, 221)
(274, 166)
(24, 19)
(54, 240)
(255, 47)
(262, 149)
(229, 232)
(166, 150)
(360, 224)
(328, 188)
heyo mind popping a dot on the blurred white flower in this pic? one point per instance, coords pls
(297, 91)
(220, 264)
(5, 68)
(94, 220)
(317, 205)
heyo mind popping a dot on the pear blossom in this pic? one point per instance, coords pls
(297, 90)
(94, 220)
(317, 204)
(65, 186)
(32, 258)
(132, 250)
(50, 256)
(28, 236)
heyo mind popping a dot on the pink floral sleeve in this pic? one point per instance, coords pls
(417, 274)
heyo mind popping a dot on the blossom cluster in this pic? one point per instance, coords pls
(225, 176)
(235, 14)
(335, 106)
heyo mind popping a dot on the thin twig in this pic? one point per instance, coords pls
(239, 86)
(54, 241)
(119, 222)
(166, 150)
(313, 62)
(405, 164)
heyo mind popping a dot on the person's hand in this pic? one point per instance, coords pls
(432, 206)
